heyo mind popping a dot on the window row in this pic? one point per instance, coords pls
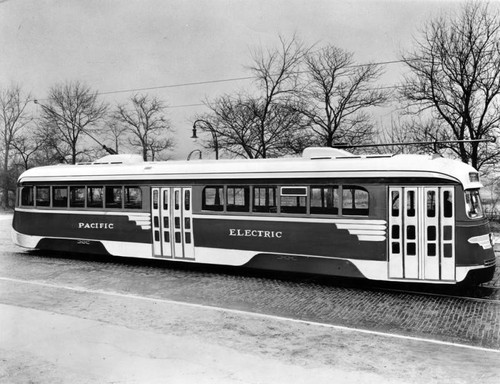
(323, 200)
(431, 204)
(82, 197)
(176, 202)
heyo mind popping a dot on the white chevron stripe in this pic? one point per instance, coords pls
(368, 230)
(483, 241)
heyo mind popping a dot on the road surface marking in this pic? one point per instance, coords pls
(254, 314)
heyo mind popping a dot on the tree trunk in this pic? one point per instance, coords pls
(5, 181)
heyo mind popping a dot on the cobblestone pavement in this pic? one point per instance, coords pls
(333, 301)
(59, 335)
(495, 282)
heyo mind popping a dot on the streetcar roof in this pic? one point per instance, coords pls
(319, 162)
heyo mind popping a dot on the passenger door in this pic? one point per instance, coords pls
(421, 233)
(172, 222)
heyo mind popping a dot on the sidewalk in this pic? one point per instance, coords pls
(203, 345)
(42, 347)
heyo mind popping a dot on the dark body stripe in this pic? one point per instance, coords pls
(80, 226)
(300, 238)
(304, 264)
(468, 254)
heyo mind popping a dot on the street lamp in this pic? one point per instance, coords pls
(212, 131)
(194, 133)
(192, 152)
(111, 151)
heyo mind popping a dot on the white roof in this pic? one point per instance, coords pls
(328, 164)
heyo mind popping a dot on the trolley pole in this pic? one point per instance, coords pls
(109, 150)
(435, 143)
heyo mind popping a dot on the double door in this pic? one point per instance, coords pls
(172, 222)
(422, 233)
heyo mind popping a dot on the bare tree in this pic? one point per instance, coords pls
(49, 150)
(145, 119)
(236, 126)
(411, 136)
(262, 123)
(116, 132)
(277, 73)
(455, 76)
(27, 148)
(231, 123)
(337, 94)
(13, 118)
(72, 110)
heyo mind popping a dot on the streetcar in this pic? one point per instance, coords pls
(402, 218)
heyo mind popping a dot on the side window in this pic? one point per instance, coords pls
(410, 204)
(155, 199)
(60, 197)
(355, 200)
(187, 200)
(293, 199)
(448, 204)
(166, 199)
(27, 196)
(431, 204)
(133, 198)
(396, 203)
(77, 197)
(43, 196)
(264, 199)
(177, 200)
(213, 198)
(238, 199)
(114, 197)
(325, 200)
(95, 197)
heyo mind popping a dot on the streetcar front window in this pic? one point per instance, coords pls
(473, 204)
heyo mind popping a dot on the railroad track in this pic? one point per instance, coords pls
(482, 293)
(485, 294)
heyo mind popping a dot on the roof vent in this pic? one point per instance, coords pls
(315, 153)
(127, 159)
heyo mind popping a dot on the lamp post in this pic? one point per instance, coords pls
(212, 131)
(193, 152)
(111, 151)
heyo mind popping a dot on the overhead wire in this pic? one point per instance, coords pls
(177, 85)
(242, 78)
(205, 82)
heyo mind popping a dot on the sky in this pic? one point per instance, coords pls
(115, 46)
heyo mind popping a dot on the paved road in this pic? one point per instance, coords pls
(82, 320)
